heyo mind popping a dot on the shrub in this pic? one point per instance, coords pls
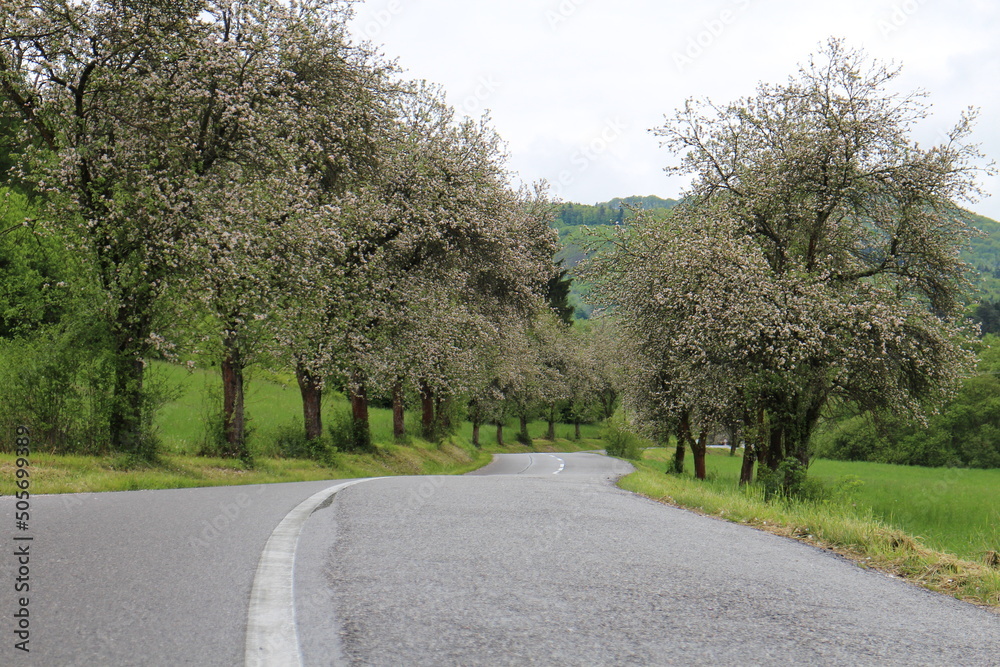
(58, 383)
(351, 435)
(290, 442)
(620, 442)
(790, 481)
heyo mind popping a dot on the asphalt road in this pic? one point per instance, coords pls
(536, 559)
(140, 577)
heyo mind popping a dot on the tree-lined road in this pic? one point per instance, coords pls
(536, 558)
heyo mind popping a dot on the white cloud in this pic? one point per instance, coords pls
(556, 73)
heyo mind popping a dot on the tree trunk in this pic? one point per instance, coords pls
(799, 446)
(768, 445)
(775, 449)
(576, 430)
(398, 413)
(475, 433)
(734, 438)
(359, 397)
(746, 470)
(523, 436)
(427, 410)
(312, 401)
(679, 451)
(799, 451)
(500, 434)
(683, 436)
(358, 393)
(129, 327)
(551, 433)
(699, 448)
(125, 419)
(233, 423)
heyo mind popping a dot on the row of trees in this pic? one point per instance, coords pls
(236, 177)
(814, 261)
(240, 178)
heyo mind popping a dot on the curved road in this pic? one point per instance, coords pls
(536, 558)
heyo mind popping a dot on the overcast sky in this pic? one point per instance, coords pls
(574, 86)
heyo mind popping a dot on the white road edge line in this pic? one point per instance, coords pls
(562, 464)
(272, 638)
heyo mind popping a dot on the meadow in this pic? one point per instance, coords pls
(948, 509)
(274, 406)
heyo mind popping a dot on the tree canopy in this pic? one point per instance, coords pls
(239, 178)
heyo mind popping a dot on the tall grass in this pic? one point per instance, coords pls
(953, 510)
(949, 509)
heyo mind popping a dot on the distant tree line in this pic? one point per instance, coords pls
(965, 432)
(616, 211)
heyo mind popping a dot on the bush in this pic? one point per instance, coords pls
(854, 438)
(59, 386)
(965, 432)
(290, 442)
(621, 442)
(351, 435)
(790, 481)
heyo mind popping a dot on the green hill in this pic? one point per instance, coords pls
(571, 219)
(616, 211)
(984, 255)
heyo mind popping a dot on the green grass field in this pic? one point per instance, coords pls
(948, 509)
(273, 403)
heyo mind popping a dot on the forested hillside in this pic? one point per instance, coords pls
(616, 211)
(983, 253)
(570, 216)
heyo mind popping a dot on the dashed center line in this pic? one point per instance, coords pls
(562, 464)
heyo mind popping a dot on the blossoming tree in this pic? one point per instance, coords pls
(814, 258)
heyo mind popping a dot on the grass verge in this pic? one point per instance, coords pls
(52, 473)
(274, 408)
(829, 524)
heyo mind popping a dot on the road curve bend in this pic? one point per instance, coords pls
(540, 559)
(536, 558)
